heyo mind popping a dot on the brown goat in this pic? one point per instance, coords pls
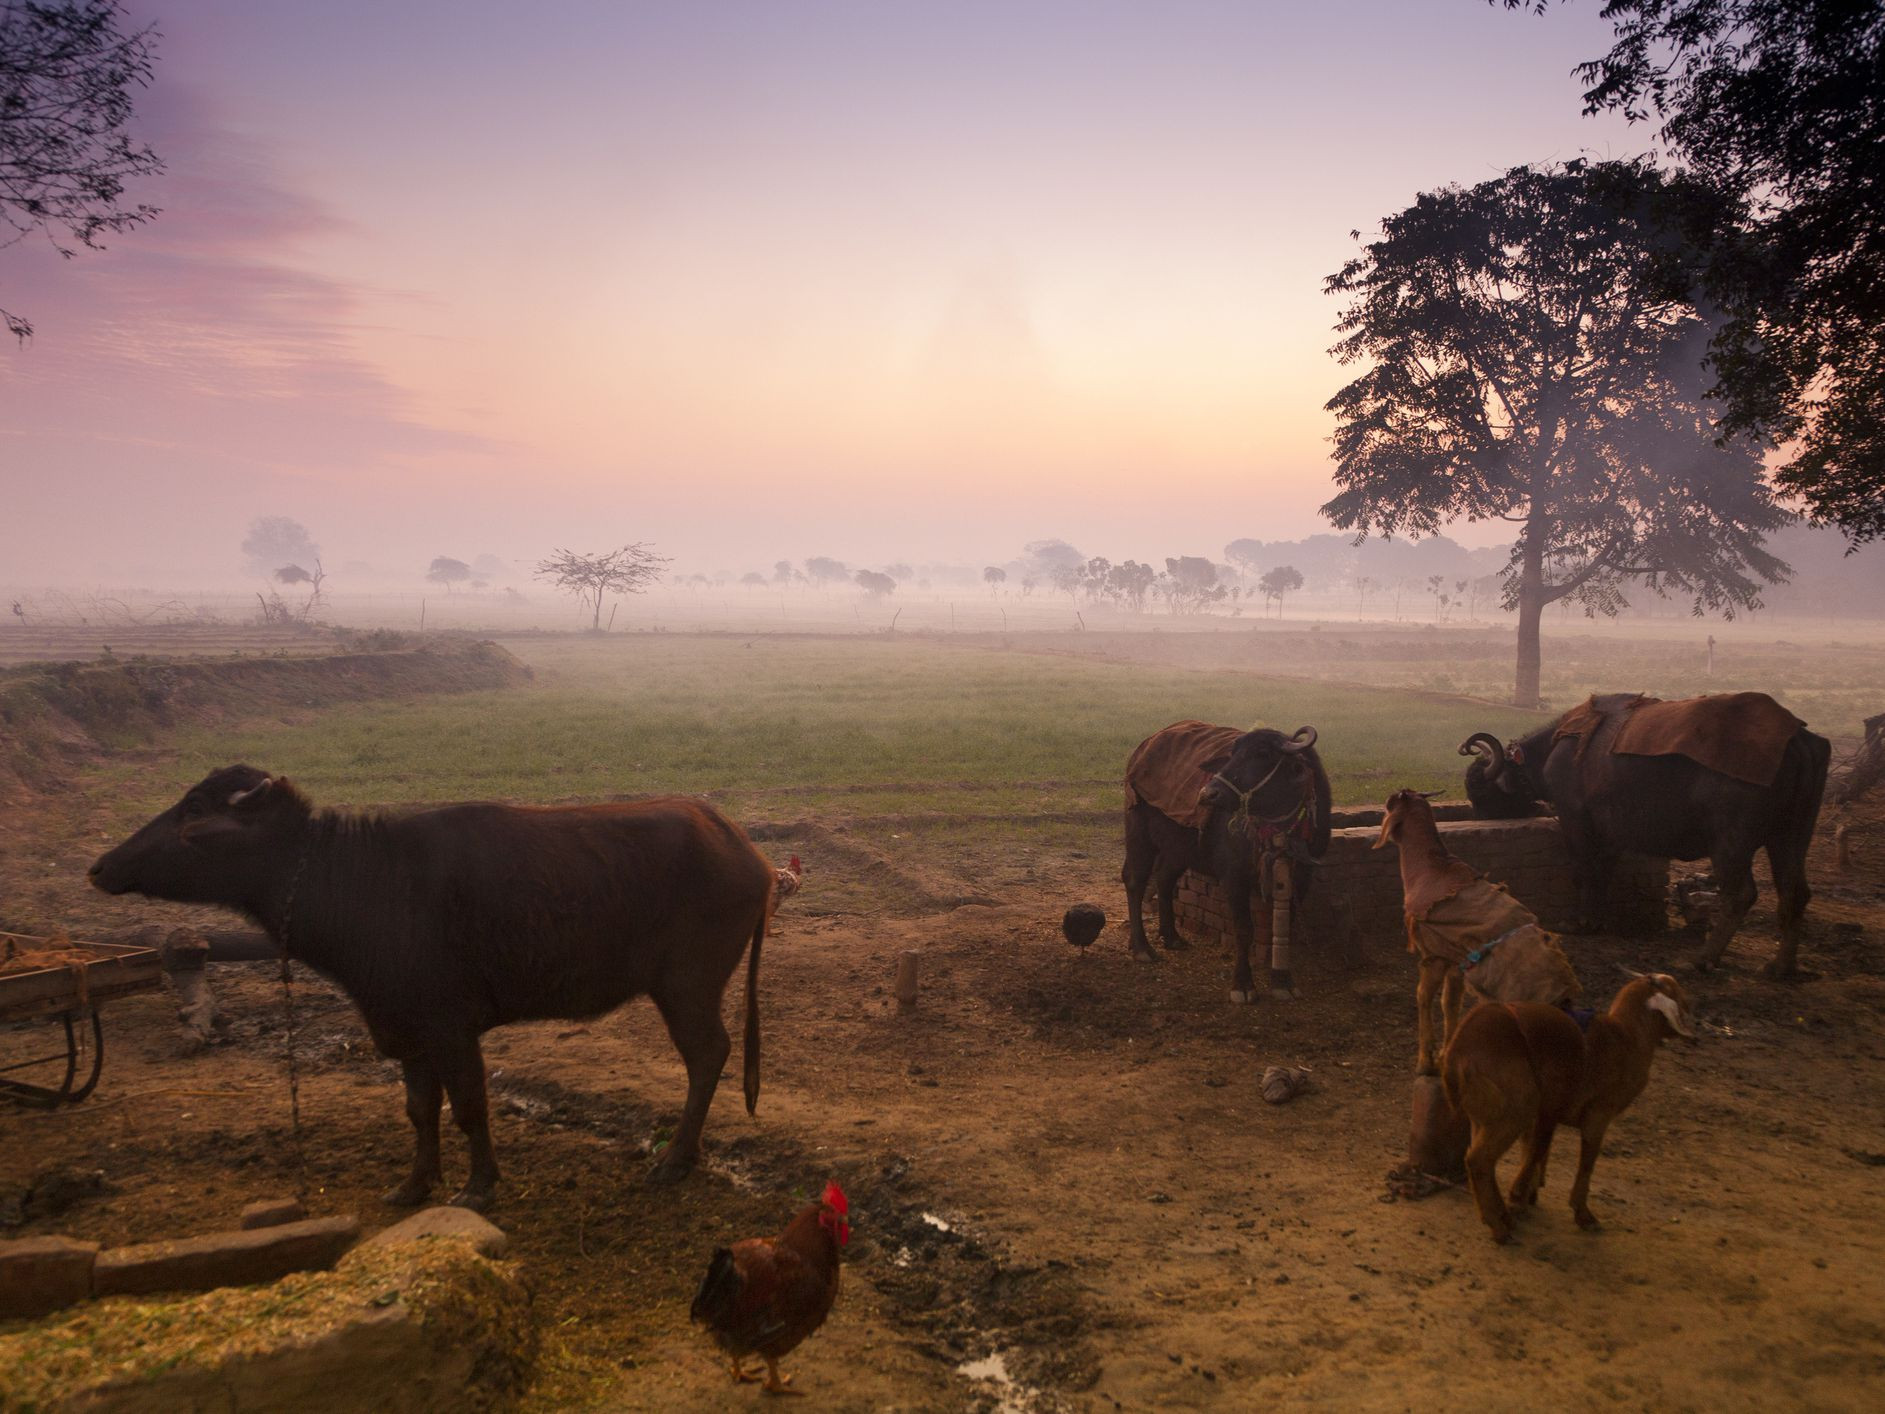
(1456, 919)
(1521, 1069)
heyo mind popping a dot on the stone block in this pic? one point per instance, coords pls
(446, 1223)
(272, 1212)
(41, 1274)
(224, 1258)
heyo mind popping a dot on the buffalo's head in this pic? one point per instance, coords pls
(1497, 783)
(1267, 773)
(216, 845)
(1405, 808)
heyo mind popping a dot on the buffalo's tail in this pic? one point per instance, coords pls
(751, 1045)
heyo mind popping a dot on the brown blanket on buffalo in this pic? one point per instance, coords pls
(1519, 961)
(1740, 734)
(1169, 768)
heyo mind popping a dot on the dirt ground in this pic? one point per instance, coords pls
(1068, 1192)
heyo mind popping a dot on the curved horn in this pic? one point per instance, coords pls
(253, 791)
(1495, 750)
(1304, 738)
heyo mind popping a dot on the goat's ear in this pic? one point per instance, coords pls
(1386, 837)
(254, 795)
(1671, 1011)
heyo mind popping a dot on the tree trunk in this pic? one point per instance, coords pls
(1531, 609)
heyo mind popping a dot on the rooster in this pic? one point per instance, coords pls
(764, 1295)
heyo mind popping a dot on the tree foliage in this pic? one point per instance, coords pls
(448, 572)
(628, 570)
(1532, 355)
(822, 569)
(874, 584)
(1284, 579)
(67, 76)
(1780, 103)
(274, 541)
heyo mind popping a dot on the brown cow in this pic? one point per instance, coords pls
(444, 923)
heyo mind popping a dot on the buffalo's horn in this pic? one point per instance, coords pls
(1495, 750)
(1304, 738)
(252, 791)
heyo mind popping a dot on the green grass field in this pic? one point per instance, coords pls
(821, 729)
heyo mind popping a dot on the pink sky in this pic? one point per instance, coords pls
(881, 282)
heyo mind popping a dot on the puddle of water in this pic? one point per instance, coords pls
(992, 1369)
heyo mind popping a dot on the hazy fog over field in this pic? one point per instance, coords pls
(882, 283)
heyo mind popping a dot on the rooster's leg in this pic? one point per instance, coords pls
(777, 1383)
(739, 1372)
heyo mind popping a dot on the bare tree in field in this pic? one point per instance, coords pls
(67, 74)
(628, 570)
(294, 574)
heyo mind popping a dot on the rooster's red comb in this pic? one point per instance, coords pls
(795, 865)
(835, 1200)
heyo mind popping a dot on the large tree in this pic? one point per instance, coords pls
(275, 541)
(67, 75)
(1532, 355)
(1782, 104)
(629, 570)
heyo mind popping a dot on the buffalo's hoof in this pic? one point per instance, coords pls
(669, 1172)
(1285, 994)
(1587, 1220)
(1774, 972)
(1140, 954)
(1242, 997)
(478, 1200)
(409, 1194)
(1175, 944)
(1502, 1237)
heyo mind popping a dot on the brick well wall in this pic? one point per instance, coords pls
(1354, 907)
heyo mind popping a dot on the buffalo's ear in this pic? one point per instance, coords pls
(254, 795)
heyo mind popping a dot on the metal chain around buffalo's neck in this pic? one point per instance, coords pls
(288, 1018)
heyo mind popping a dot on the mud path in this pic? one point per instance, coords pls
(1068, 1191)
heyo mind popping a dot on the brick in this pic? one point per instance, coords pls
(224, 1258)
(272, 1212)
(41, 1274)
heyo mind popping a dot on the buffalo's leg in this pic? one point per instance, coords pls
(1243, 987)
(424, 1095)
(693, 1018)
(1592, 1145)
(1792, 896)
(1735, 879)
(1169, 873)
(462, 1070)
(1140, 857)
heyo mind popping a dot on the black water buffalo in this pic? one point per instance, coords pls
(444, 923)
(1668, 807)
(1271, 793)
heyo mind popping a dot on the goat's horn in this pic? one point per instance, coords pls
(1630, 971)
(1304, 738)
(253, 790)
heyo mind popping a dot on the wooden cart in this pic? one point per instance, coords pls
(70, 993)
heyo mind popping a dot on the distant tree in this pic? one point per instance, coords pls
(294, 574)
(753, 579)
(1067, 578)
(1131, 581)
(274, 541)
(1094, 576)
(67, 75)
(1780, 103)
(448, 572)
(1028, 585)
(1246, 554)
(1189, 583)
(874, 584)
(1047, 556)
(782, 572)
(1533, 356)
(1364, 584)
(1284, 579)
(900, 572)
(994, 577)
(628, 570)
(821, 569)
